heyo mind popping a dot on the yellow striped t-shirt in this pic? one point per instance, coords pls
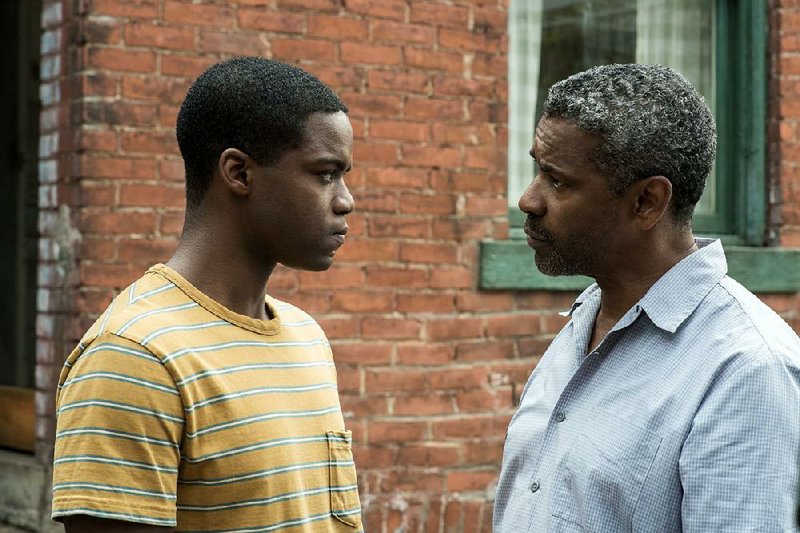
(176, 411)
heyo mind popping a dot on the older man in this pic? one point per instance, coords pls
(671, 399)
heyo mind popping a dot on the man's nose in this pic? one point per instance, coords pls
(343, 203)
(531, 200)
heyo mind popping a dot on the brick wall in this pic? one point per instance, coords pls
(429, 367)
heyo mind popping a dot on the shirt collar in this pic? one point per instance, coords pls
(676, 294)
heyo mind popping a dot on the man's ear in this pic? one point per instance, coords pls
(651, 198)
(236, 170)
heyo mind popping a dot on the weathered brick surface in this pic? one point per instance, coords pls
(430, 368)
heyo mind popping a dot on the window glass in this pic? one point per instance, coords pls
(552, 39)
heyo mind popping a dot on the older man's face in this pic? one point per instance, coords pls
(573, 220)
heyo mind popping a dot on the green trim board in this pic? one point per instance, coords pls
(509, 265)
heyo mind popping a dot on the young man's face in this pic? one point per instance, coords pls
(300, 203)
(573, 220)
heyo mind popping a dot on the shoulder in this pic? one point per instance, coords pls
(756, 323)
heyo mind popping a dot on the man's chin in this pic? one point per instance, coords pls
(551, 264)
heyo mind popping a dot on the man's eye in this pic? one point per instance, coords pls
(328, 175)
(556, 183)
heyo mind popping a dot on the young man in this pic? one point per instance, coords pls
(196, 401)
(671, 400)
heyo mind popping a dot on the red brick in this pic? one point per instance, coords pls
(470, 41)
(458, 86)
(371, 457)
(441, 15)
(339, 328)
(118, 222)
(368, 250)
(466, 480)
(382, 153)
(396, 277)
(429, 204)
(269, 20)
(376, 201)
(434, 108)
(453, 328)
(160, 90)
(426, 405)
(425, 303)
(337, 27)
(453, 278)
(398, 81)
(114, 275)
(141, 34)
(431, 156)
(459, 378)
(337, 277)
(484, 350)
(390, 328)
(157, 250)
(426, 353)
(232, 42)
(402, 33)
(479, 206)
(396, 431)
(429, 454)
(116, 112)
(428, 253)
(397, 226)
(98, 140)
(395, 380)
(151, 196)
(171, 224)
(362, 353)
(122, 60)
(158, 142)
(361, 302)
(513, 324)
(392, 9)
(371, 105)
(430, 59)
(477, 302)
(459, 229)
(95, 31)
(401, 177)
(118, 167)
(314, 49)
(399, 130)
(198, 14)
(482, 400)
(187, 66)
(126, 8)
(315, 5)
(370, 54)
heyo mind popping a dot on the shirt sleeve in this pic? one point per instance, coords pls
(739, 464)
(119, 421)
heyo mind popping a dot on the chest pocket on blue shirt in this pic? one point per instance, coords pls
(597, 484)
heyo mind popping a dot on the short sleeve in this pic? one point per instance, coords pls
(118, 432)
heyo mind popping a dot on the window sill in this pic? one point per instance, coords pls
(509, 265)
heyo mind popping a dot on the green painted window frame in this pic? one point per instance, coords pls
(742, 31)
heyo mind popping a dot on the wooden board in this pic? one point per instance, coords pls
(17, 418)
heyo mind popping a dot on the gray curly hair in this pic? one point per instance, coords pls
(651, 122)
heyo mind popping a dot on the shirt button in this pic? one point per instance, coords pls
(534, 486)
(560, 417)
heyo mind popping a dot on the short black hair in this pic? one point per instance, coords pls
(650, 122)
(254, 104)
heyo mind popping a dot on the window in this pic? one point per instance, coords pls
(19, 95)
(719, 45)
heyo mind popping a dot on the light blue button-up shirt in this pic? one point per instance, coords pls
(686, 417)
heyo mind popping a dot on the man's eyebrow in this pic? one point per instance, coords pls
(340, 164)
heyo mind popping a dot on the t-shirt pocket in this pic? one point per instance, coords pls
(599, 481)
(345, 505)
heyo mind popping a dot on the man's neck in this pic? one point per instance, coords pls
(222, 271)
(627, 285)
